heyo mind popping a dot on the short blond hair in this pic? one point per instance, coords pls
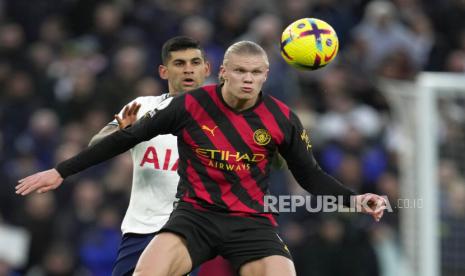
(243, 48)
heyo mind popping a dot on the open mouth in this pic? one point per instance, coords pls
(188, 82)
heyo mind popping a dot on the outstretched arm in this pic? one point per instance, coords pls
(297, 150)
(112, 145)
(169, 120)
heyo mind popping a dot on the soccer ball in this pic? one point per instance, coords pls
(309, 44)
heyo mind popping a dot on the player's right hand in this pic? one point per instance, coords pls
(129, 115)
(41, 182)
(371, 204)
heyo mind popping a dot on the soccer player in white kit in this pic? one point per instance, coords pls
(155, 179)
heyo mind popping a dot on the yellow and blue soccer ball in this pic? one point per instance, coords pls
(309, 44)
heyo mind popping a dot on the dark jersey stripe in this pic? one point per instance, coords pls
(269, 121)
(282, 119)
(242, 129)
(237, 129)
(223, 144)
(210, 187)
(197, 183)
(226, 179)
(284, 108)
(256, 118)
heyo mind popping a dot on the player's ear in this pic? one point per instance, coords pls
(266, 74)
(163, 72)
(221, 74)
(207, 68)
(222, 70)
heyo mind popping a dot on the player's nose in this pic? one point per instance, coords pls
(248, 77)
(189, 68)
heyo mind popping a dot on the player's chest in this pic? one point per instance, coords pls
(243, 134)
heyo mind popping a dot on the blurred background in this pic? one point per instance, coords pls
(66, 66)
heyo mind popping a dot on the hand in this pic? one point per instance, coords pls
(129, 115)
(371, 204)
(42, 182)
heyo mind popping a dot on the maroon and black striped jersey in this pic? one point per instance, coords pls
(224, 155)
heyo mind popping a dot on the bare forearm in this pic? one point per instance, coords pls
(107, 130)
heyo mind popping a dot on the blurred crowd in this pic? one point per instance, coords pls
(67, 66)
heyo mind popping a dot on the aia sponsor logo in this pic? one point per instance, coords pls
(151, 158)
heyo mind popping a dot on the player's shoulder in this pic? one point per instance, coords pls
(151, 100)
(179, 101)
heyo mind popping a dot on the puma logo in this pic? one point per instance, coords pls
(212, 131)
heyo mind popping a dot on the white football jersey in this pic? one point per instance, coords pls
(154, 179)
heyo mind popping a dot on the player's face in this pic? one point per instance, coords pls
(243, 76)
(185, 70)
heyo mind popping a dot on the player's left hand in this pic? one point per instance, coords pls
(371, 204)
(129, 115)
(42, 182)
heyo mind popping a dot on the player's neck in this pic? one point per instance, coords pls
(172, 91)
(238, 105)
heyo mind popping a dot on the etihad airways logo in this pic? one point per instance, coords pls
(226, 155)
(228, 160)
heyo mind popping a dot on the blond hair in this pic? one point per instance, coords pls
(243, 48)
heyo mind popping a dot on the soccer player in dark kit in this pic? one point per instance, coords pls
(227, 137)
(155, 179)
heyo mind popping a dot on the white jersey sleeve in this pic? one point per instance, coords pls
(152, 100)
(155, 177)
